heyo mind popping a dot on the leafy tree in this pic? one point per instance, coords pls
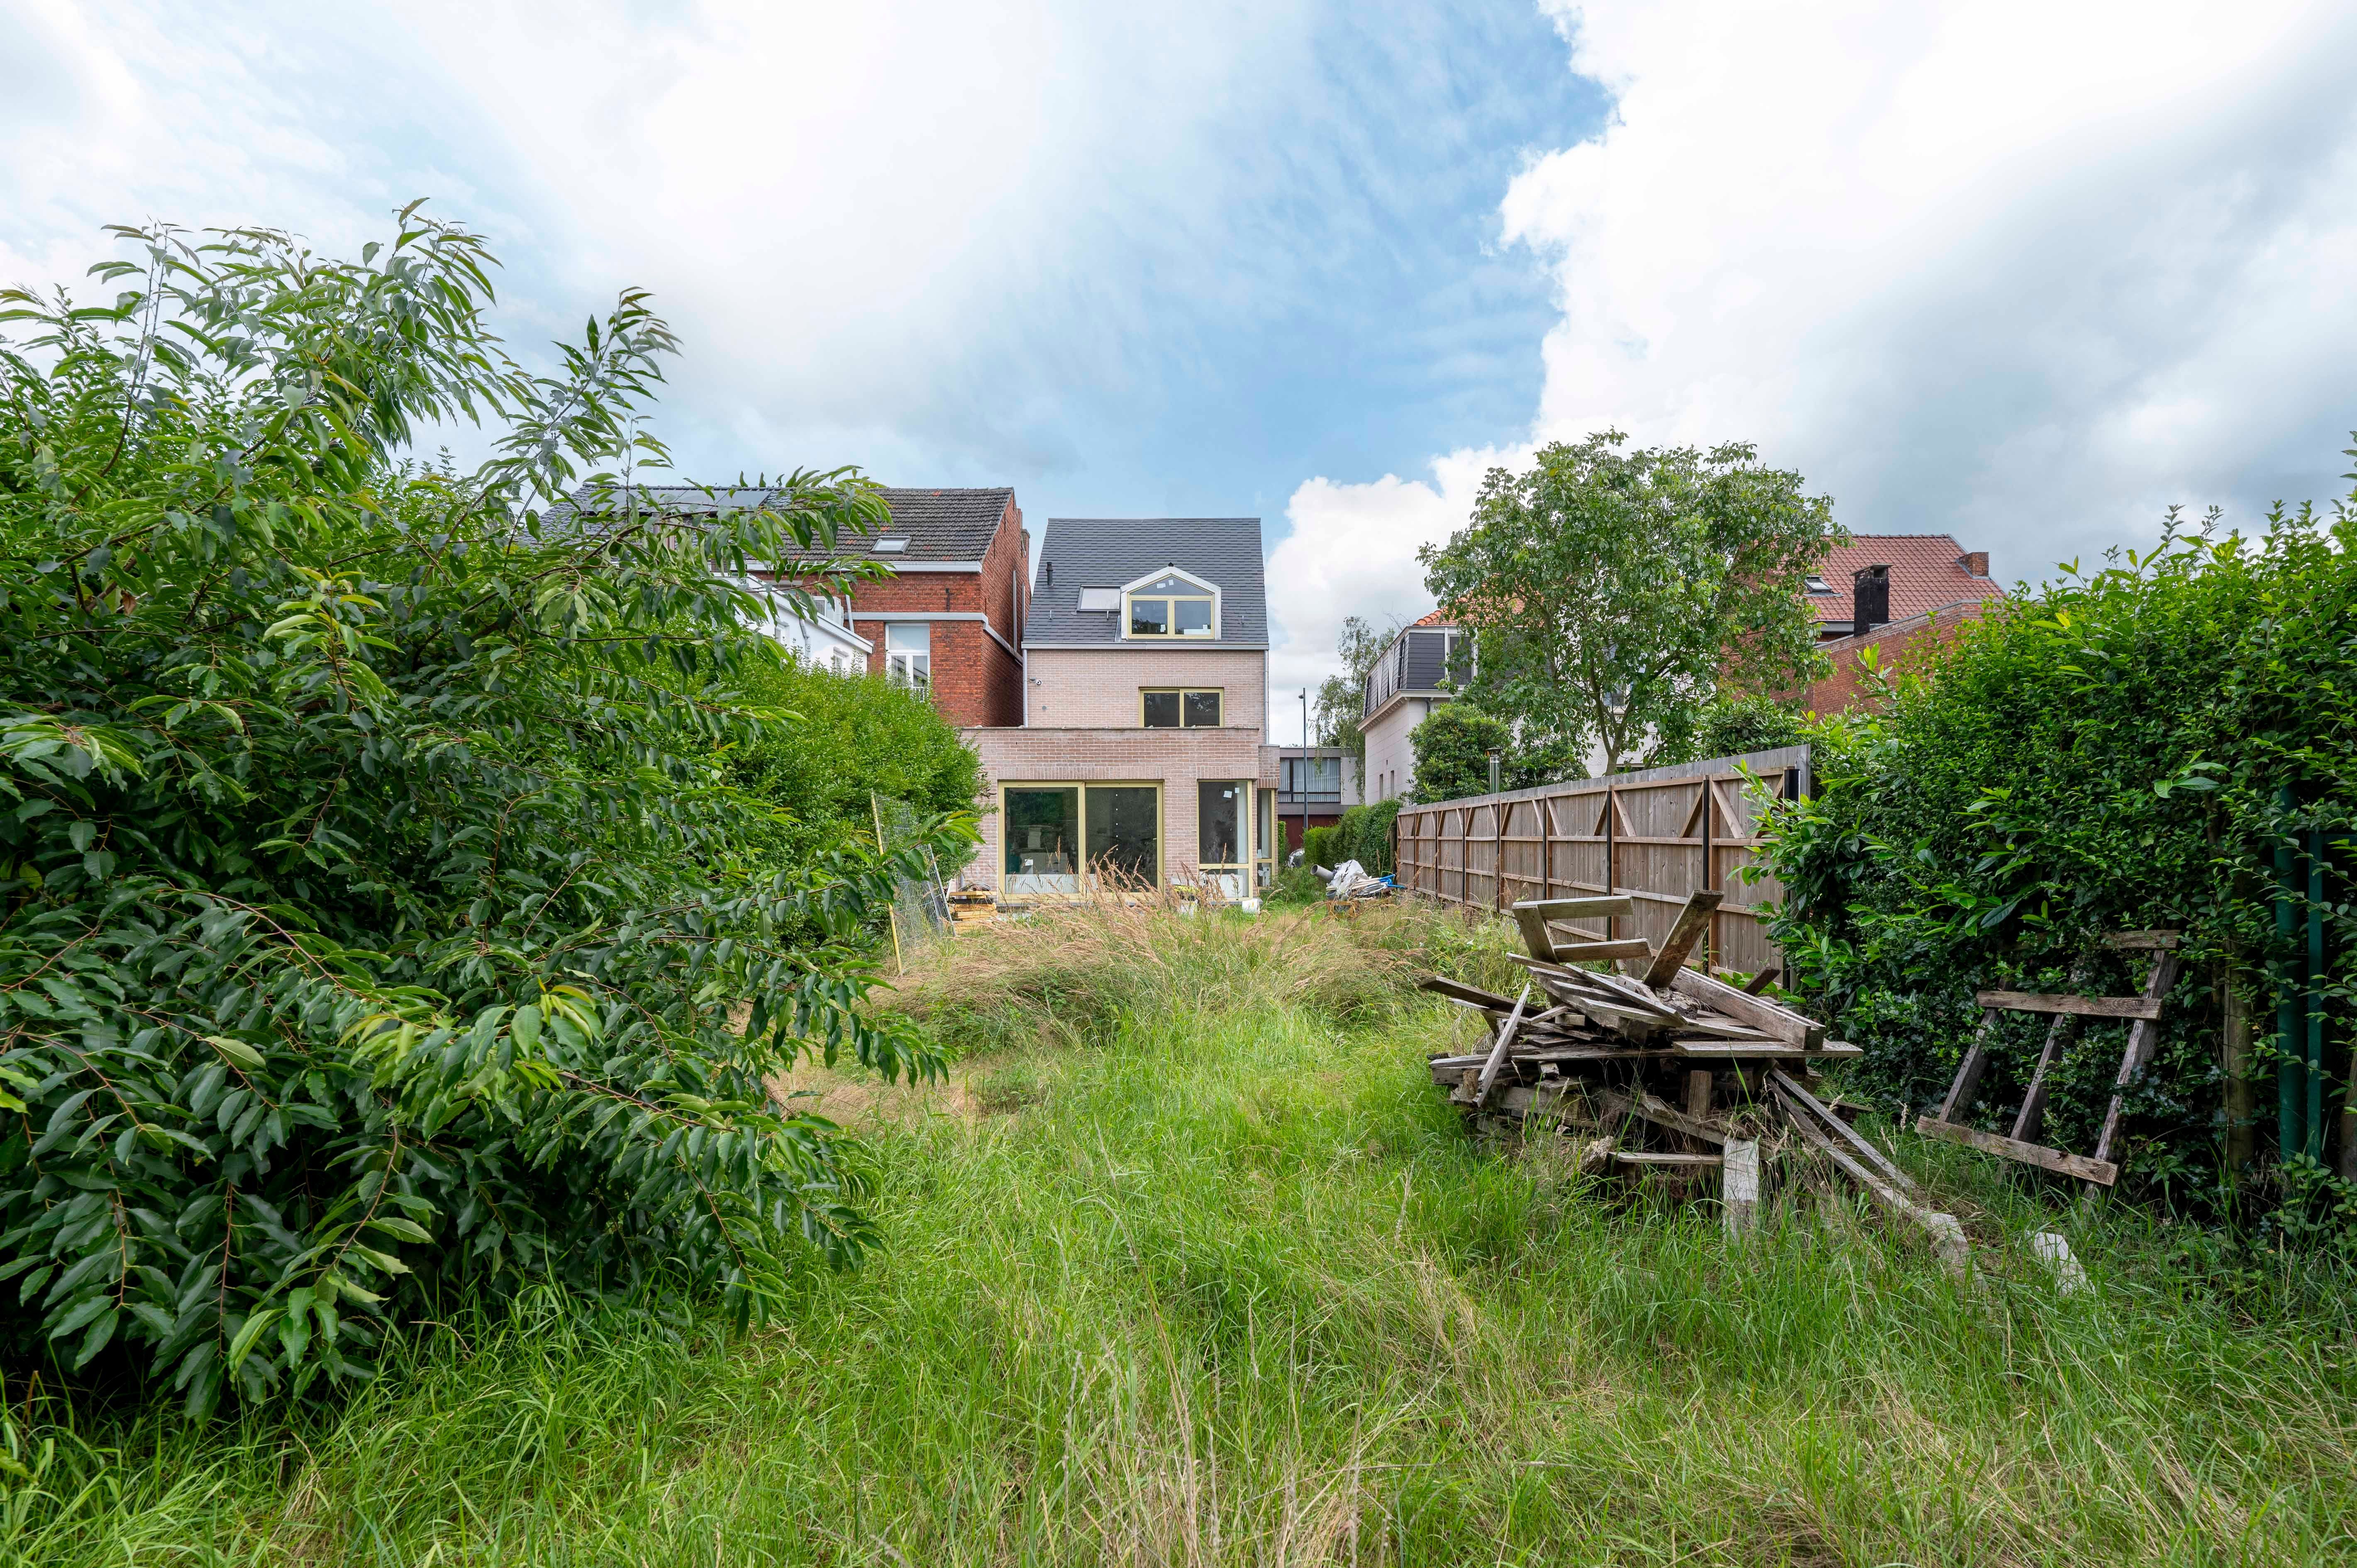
(1452, 748)
(1733, 726)
(378, 910)
(1615, 594)
(1342, 699)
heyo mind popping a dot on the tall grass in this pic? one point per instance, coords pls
(1195, 1268)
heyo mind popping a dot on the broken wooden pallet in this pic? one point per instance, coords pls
(1662, 1067)
(2143, 1039)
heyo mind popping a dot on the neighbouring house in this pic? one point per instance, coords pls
(1918, 574)
(950, 619)
(1896, 645)
(823, 640)
(1906, 594)
(1315, 785)
(1139, 754)
(1419, 671)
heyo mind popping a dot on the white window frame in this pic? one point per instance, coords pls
(910, 666)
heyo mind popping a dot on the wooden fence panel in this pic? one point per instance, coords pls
(1656, 836)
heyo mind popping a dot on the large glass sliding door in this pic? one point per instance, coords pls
(1125, 835)
(1043, 840)
(1059, 838)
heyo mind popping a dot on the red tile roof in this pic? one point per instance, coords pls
(1927, 571)
(1437, 618)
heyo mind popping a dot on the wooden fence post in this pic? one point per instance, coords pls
(1498, 812)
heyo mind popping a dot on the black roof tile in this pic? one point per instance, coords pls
(1111, 551)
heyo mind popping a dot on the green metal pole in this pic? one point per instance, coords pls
(2314, 998)
(2290, 1099)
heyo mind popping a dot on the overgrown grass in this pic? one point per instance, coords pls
(1196, 1268)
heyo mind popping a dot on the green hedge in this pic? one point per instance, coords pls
(2110, 754)
(1320, 846)
(1364, 834)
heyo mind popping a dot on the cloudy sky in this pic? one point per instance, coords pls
(2024, 272)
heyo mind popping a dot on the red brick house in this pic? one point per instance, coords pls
(1924, 571)
(952, 616)
(1901, 594)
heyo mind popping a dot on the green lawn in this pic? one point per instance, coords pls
(1183, 1271)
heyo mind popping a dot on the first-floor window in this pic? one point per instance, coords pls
(1179, 709)
(909, 652)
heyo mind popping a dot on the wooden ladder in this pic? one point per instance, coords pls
(2143, 1039)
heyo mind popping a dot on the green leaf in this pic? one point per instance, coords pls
(235, 1051)
(251, 1330)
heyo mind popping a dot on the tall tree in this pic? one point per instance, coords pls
(1342, 699)
(1615, 594)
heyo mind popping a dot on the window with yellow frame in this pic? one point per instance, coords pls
(1173, 605)
(1180, 707)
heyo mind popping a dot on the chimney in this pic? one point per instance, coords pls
(1870, 599)
(1975, 563)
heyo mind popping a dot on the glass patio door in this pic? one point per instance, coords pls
(1043, 841)
(1124, 836)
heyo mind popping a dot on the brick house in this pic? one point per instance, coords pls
(1924, 571)
(952, 616)
(949, 617)
(1140, 746)
(1901, 594)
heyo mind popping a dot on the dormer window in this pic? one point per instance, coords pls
(1172, 603)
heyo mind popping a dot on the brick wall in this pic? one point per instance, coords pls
(1176, 759)
(975, 680)
(1897, 646)
(1086, 688)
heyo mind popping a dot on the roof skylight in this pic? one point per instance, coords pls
(1100, 599)
(889, 546)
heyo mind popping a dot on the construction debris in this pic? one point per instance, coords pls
(1351, 880)
(1665, 1068)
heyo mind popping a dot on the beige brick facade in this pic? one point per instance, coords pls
(1175, 760)
(1086, 688)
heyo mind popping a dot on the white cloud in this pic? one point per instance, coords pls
(2024, 271)
(924, 227)
(1351, 552)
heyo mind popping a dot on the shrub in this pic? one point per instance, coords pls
(1322, 847)
(378, 913)
(2111, 753)
(1452, 749)
(852, 735)
(1365, 835)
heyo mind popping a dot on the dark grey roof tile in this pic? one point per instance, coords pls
(1111, 552)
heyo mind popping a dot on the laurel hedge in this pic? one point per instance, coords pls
(2126, 747)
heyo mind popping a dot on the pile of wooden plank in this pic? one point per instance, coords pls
(1662, 1067)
